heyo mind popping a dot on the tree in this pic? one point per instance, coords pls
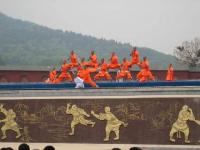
(189, 52)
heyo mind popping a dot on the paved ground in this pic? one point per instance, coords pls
(103, 92)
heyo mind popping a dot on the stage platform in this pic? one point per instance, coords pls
(130, 84)
(148, 111)
(106, 92)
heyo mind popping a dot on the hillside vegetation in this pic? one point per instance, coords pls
(26, 43)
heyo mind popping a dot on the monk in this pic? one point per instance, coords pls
(73, 59)
(65, 75)
(83, 62)
(52, 76)
(103, 73)
(84, 73)
(135, 56)
(124, 71)
(93, 62)
(114, 63)
(170, 73)
(145, 73)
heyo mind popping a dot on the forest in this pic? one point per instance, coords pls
(23, 43)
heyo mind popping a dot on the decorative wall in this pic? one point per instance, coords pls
(171, 121)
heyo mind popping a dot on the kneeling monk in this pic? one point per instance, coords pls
(93, 60)
(73, 59)
(114, 63)
(83, 62)
(103, 73)
(145, 73)
(135, 57)
(124, 71)
(52, 75)
(65, 75)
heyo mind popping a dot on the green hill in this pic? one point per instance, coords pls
(26, 43)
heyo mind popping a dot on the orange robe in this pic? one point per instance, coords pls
(83, 63)
(145, 73)
(52, 76)
(93, 61)
(135, 57)
(85, 75)
(73, 60)
(170, 74)
(64, 73)
(103, 74)
(124, 72)
(114, 63)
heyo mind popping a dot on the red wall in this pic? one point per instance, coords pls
(40, 76)
(23, 76)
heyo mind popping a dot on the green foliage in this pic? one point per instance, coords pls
(25, 43)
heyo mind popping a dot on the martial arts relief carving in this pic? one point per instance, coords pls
(180, 125)
(113, 124)
(9, 122)
(78, 117)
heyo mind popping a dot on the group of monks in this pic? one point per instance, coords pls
(85, 68)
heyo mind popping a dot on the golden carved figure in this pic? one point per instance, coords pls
(113, 124)
(78, 117)
(180, 125)
(10, 123)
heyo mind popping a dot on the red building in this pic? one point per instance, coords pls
(40, 74)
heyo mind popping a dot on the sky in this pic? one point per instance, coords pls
(157, 24)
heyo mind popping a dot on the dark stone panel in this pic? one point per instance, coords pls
(139, 120)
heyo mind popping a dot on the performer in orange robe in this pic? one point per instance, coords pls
(73, 59)
(83, 62)
(93, 60)
(135, 57)
(114, 63)
(170, 73)
(145, 73)
(103, 73)
(84, 73)
(52, 76)
(124, 71)
(64, 72)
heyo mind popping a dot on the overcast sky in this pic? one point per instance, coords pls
(158, 24)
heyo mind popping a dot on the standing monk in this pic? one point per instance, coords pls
(145, 72)
(170, 73)
(114, 63)
(135, 56)
(73, 59)
(64, 72)
(124, 71)
(103, 73)
(84, 73)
